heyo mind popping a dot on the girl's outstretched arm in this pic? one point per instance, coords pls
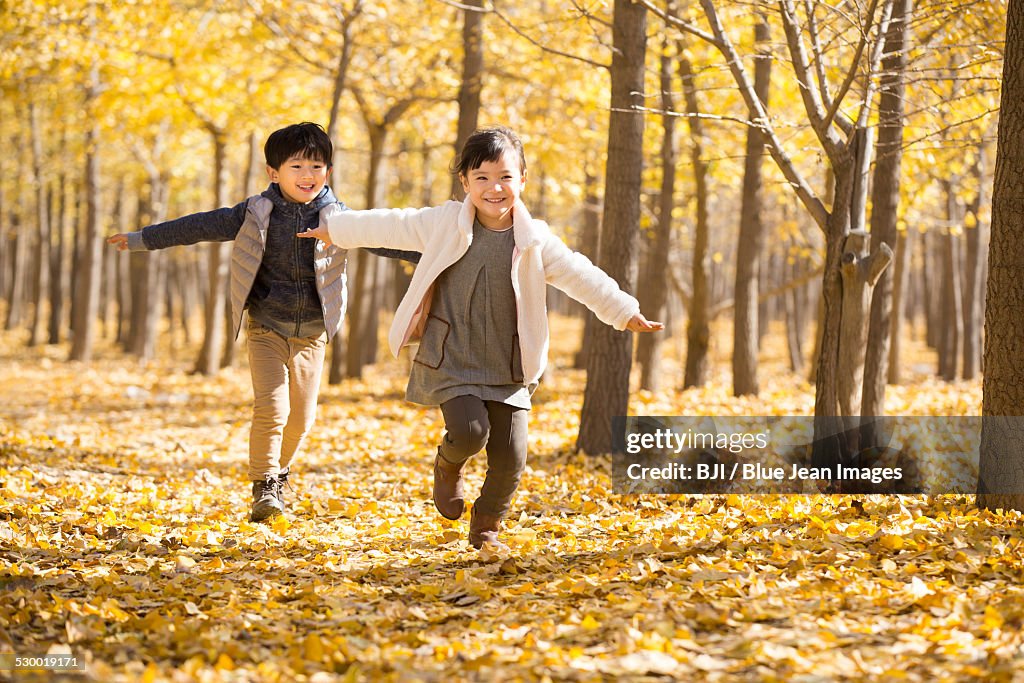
(320, 232)
(403, 229)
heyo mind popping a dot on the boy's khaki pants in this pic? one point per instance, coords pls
(285, 383)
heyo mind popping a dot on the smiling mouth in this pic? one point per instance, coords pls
(306, 188)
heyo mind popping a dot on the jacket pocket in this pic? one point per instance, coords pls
(435, 333)
(516, 364)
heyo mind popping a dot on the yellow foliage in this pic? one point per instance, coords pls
(123, 535)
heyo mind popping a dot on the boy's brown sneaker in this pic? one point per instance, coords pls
(266, 498)
(449, 497)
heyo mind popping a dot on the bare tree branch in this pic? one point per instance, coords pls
(815, 108)
(875, 65)
(855, 63)
(786, 165)
(842, 120)
(682, 25)
(494, 10)
(796, 282)
(590, 16)
(466, 8)
(684, 115)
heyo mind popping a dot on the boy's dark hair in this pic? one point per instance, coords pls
(488, 144)
(307, 140)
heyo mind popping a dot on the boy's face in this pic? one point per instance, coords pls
(300, 179)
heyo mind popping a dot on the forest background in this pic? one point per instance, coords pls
(670, 142)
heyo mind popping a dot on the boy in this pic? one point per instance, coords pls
(294, 290)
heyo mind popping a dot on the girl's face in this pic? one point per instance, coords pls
(493, 188)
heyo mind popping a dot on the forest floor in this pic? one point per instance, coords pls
(124, 540)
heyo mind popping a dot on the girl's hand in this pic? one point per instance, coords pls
(638, 323)
(319, 232)
(120, 240)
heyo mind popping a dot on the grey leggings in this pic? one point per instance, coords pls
(472, 424)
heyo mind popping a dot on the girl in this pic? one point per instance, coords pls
(476, 304)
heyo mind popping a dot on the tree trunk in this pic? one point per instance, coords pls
(208, 362)
(359, 303)
(341, 70)
(87, 288)
(860, 273)
(931, 281)
(885, 199)
(751, 235)
(472, 79)
(698, 331)
(653, 294)
(901, 282)
(231, 343)
(794, 322)
(1001, 473)
(589, 246)
(59, 283)
(42, 253)
(951, 321)
(147, 273)
(108, 283)
(19, 245)
(974, 303)
(610, 356)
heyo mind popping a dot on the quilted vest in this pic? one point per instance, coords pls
(247, 255)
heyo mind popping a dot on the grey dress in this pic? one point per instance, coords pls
(470, 344)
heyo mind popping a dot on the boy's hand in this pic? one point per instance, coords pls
(319, 232)
(638, 323)
(120, 240)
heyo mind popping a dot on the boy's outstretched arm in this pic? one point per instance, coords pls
(120, 240)
(219, 225)
(638, 323)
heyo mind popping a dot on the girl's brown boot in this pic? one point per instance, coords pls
(484, 528)
(449, 498)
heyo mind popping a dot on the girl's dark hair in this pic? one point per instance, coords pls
(307, 140)
(488, 144)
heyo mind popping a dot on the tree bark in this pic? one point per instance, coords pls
(1001, 472)
(18, 244)
(359, 302)
(900, 286)
(751, 234)
(472, 79)
(59, 282)
(610, 357)
(147, 270)
(341, 70)
(42, 251)
(653, 294)
(208, 362)
(885, 199)
(974, 302)
(860, 273)
(589, 246)
(698, 330)
(794, 323)
(951, 326)
(87, 289)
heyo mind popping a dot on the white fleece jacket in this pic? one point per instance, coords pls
(443, 234)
